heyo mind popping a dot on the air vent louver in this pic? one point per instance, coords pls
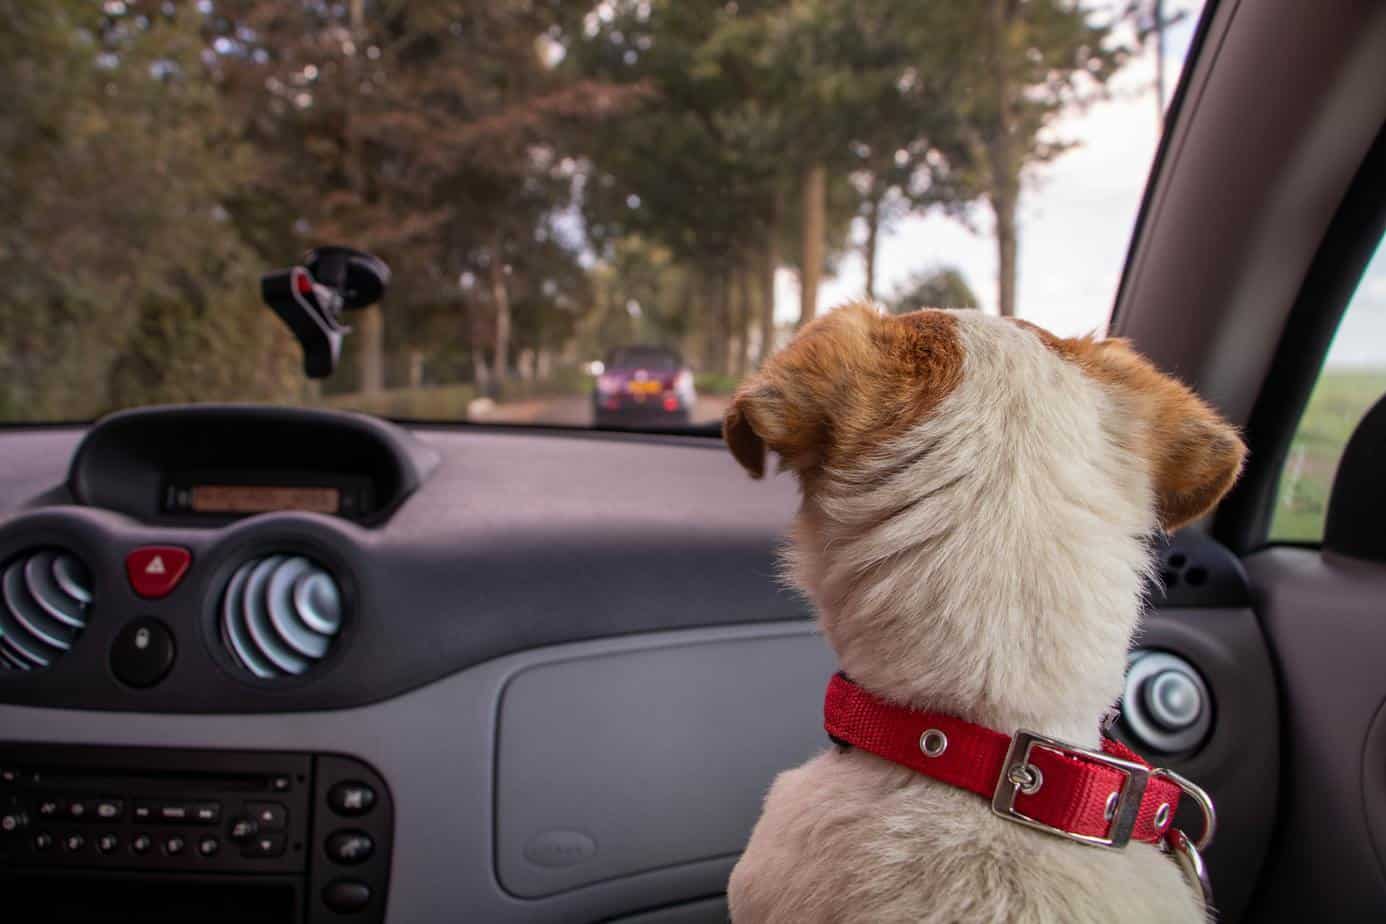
(44, 598)
(280, 614)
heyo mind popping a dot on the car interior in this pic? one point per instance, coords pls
(522, 656)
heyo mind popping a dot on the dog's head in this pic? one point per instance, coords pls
(953, 462)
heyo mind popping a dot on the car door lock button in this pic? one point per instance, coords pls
(142, 653)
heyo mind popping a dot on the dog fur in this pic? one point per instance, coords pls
(978, 497)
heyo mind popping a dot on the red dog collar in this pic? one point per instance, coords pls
(1105, 798)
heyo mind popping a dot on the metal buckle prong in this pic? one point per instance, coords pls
(1200, 799)
(1128, 800)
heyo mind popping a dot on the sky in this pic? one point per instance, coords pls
(1076, 212)
(1076, 217)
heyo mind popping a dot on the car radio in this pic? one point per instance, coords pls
(106, 834)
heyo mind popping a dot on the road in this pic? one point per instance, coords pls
(572, 411)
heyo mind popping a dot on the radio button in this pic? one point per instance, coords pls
(11, 822)
(107, 843)
(109, 809)
(346, 895)
(350, 847)
(73, 843)
(208, 846)
(243, 829)
(8, 775)
(141, 843)
(48, 808)
(174, 812)
(43, 841)
(266, 845)
(351, 798)
(77, 810)
(270, 816)
(206, 813)
(174, 845)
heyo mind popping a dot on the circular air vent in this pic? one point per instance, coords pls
(44, 598)
(280, 615)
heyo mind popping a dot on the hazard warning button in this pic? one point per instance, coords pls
(154, 570)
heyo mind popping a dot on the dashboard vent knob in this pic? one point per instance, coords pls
(280, 615)
(45, 595)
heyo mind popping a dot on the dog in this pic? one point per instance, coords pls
(978, 500)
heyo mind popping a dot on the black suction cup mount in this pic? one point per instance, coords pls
(359, 277)
(310, 298)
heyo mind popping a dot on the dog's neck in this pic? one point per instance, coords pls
(991, 564)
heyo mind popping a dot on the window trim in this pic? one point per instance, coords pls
(1357, 229)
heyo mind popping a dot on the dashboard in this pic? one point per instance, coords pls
(526, 652)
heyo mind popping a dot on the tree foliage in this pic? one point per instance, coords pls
(544, 177)
(944, 287)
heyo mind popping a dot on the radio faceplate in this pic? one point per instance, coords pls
(319, 823)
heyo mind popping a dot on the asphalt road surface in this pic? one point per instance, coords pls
(573, 411)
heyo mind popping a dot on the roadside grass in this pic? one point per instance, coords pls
(1338, 403)
(715, 383)
(449, 402)
(431, 402)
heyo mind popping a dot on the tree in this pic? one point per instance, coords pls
(432, 133)
(127, 282)
(709, 164)
(943, 287)
(1023, 63)
(688, 170)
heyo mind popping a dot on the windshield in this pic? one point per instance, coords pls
(593, 213)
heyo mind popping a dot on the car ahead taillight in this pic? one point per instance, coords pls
(671, 402)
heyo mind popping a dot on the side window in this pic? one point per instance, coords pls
(1352, 380)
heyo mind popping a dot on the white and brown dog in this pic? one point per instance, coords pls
(978, 500)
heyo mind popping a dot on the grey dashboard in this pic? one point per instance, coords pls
(546, 652)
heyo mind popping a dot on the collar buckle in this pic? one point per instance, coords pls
(1017, 775)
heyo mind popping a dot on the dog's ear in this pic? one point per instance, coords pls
(742, 439)
(771, 411)
(789, 405)
(1195, 455)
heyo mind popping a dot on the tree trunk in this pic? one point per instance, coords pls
(1007, 248)
(500, 303)
(369, 323)
(476, 337)
(369, 327)
(770, 262)
(814, 230)
(726, 318)
(1004, 163)
(744, 319)
(715, 324)
(873, 225)
(416, 363)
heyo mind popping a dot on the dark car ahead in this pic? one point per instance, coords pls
(643, 384)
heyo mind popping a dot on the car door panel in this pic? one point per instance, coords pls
(1322, 616)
